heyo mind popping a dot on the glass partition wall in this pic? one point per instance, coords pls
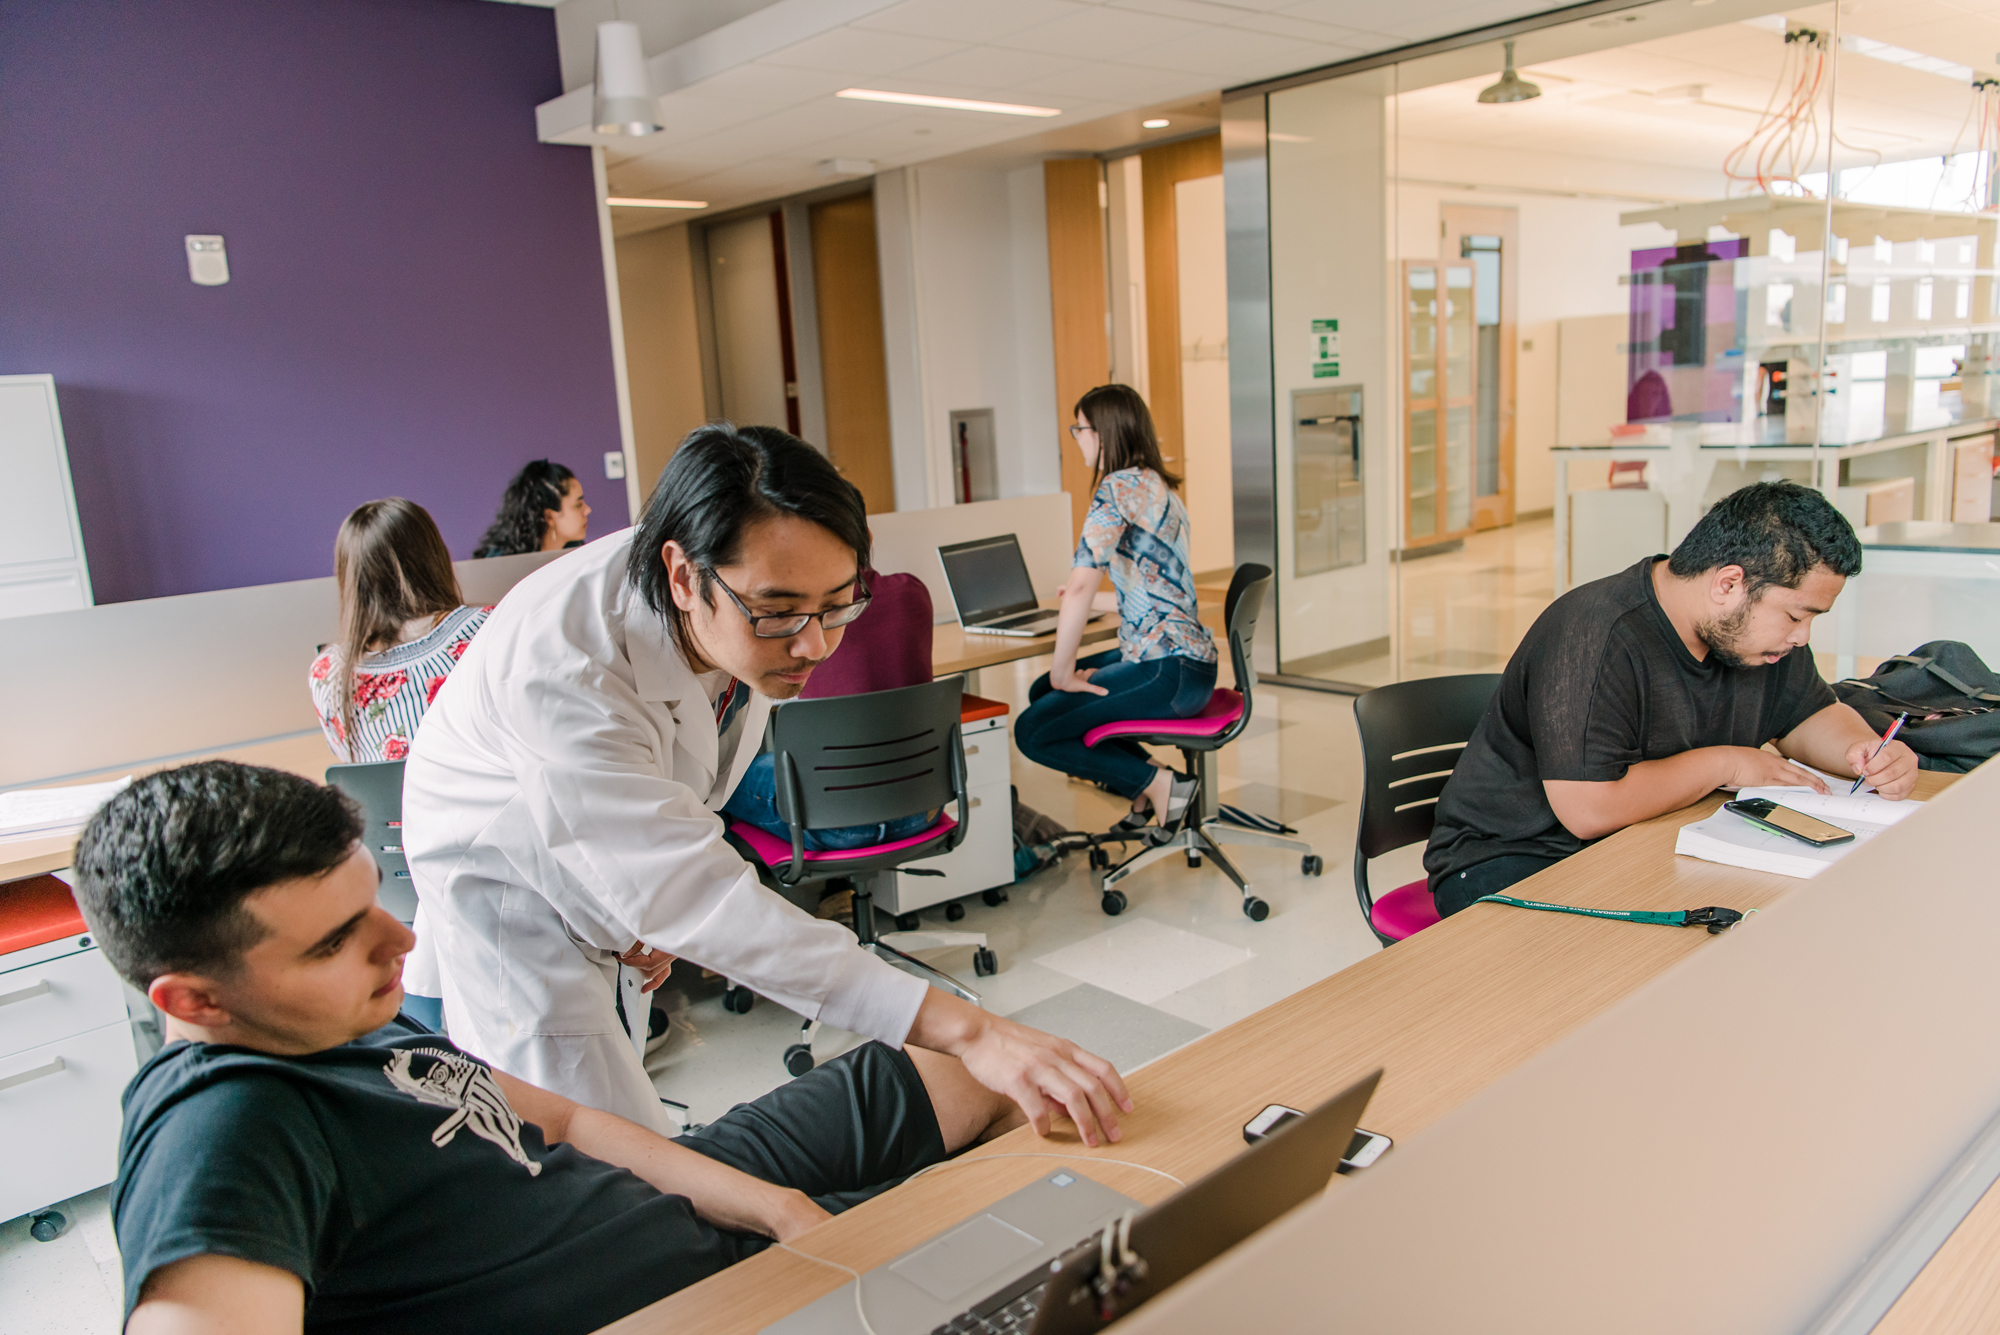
(1522, 332)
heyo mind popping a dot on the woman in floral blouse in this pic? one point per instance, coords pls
(403, 626)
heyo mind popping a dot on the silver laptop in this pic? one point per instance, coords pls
(1029, 1263)
(990, 588)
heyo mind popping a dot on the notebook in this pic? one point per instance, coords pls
(28, 812)
(1727, 838)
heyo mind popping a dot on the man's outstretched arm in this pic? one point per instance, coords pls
(1654, 787)
(720, 1194)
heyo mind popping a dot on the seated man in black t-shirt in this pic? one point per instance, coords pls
(1636, 694)
(299, 1157)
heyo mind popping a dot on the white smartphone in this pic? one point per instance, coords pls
(1364, 1149)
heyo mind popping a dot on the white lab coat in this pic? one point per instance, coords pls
(560, 804)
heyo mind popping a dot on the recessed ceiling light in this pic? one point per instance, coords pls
(1159, 123)
(946, 103)
(618, 203)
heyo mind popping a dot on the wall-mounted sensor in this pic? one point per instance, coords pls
(208, 262)
(614, 464)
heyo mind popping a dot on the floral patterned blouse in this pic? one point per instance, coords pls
(391, 689)
(1138, 530)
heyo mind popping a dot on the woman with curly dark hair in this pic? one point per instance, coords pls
(543, 510)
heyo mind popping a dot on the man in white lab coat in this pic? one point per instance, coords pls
(560, 801)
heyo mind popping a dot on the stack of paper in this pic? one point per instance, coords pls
(28, 812)
(1729, 839)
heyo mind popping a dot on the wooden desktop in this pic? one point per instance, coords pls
(1447, 1013)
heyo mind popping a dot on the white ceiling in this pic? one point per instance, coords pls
(1606, 105)
(750, 113)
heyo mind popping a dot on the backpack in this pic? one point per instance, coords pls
(1953, 700)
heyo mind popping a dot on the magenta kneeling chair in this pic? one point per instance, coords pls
(865, 760)
(1202, 828)
(1412, 734)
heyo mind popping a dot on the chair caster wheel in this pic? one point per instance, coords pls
(1256, 909)
(954, 911)
(1099, 858)
(994, 898)
(984, 962)
(798, 1059)
(738, 1000)
(1113, 902)
(1194, 858)
(1311, 865)
(47, 1225)
(908, 922)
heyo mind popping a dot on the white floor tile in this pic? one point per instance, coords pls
(1144, 960)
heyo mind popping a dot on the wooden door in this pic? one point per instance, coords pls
(1160, 170)
(1074, 193)
(1490, 236)
(847, 280)
(1440, 397)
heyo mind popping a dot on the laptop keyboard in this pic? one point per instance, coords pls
(1012, 1310)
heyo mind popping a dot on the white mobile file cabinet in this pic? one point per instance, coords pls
(66, 1053)
(985, 860)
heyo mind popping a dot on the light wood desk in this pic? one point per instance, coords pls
(1445, 1013)
(952, 650)
(306, 754)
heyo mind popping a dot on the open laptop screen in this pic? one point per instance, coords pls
(988, 578)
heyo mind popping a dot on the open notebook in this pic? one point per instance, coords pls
(28, 812)
(1729, 839)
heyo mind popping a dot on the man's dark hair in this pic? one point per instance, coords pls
(723, 479)
(1777, 531)
(163, 868)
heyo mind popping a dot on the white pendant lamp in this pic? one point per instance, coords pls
(1512, 87)
(625, 103)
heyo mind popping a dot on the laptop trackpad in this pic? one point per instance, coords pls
(979, 1249)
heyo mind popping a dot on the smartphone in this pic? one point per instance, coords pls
(1364, 1149)
(1783, 820)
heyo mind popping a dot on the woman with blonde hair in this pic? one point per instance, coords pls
(403, 626)
(1165, 662)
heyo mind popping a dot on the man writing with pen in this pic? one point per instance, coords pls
(1636, 694)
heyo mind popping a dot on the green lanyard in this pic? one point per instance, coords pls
(1714, 919)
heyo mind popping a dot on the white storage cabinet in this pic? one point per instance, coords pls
(985, 859)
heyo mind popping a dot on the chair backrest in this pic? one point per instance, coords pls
(1240, 610)
(377, 789)
(866, 759)
(889, 646)
(1412, 734)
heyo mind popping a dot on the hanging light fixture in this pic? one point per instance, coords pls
(625, 103)
(1512, 87)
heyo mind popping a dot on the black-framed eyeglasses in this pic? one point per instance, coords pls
(1076, 430)
(787, 624)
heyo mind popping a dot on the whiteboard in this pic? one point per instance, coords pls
(42, 565)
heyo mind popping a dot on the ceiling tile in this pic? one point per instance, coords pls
(852, 51)
(967, 20)
(1225, 51)
(991, 67)
(1108, 83)
(1101, 32)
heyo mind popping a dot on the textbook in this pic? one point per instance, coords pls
(1727, 838)
(27, 812)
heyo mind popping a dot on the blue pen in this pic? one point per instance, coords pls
(1894, 728)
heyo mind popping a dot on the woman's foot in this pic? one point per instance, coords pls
(1180, 792)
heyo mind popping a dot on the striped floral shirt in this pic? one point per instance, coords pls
(392, 689)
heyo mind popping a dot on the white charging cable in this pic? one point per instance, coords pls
(861, 1315)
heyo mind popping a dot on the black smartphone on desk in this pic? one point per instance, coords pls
(1766, 814)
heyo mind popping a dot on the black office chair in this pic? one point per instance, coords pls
(1203, 828)
(1412, 734)
(864, 760)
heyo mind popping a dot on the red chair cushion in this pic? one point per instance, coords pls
(1223, 708)
(1405, 911)
(774, 851)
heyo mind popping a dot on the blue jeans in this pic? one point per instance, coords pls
(1050, 731)
(755, 802)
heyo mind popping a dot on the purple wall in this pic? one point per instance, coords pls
(416, 296)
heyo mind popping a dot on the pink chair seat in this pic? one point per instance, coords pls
(1405, 911)
(775, 851)
(1223, 708)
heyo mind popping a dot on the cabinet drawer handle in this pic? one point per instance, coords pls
(972, 802)
(972, 750)
(35, 1074)
(40, 989)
